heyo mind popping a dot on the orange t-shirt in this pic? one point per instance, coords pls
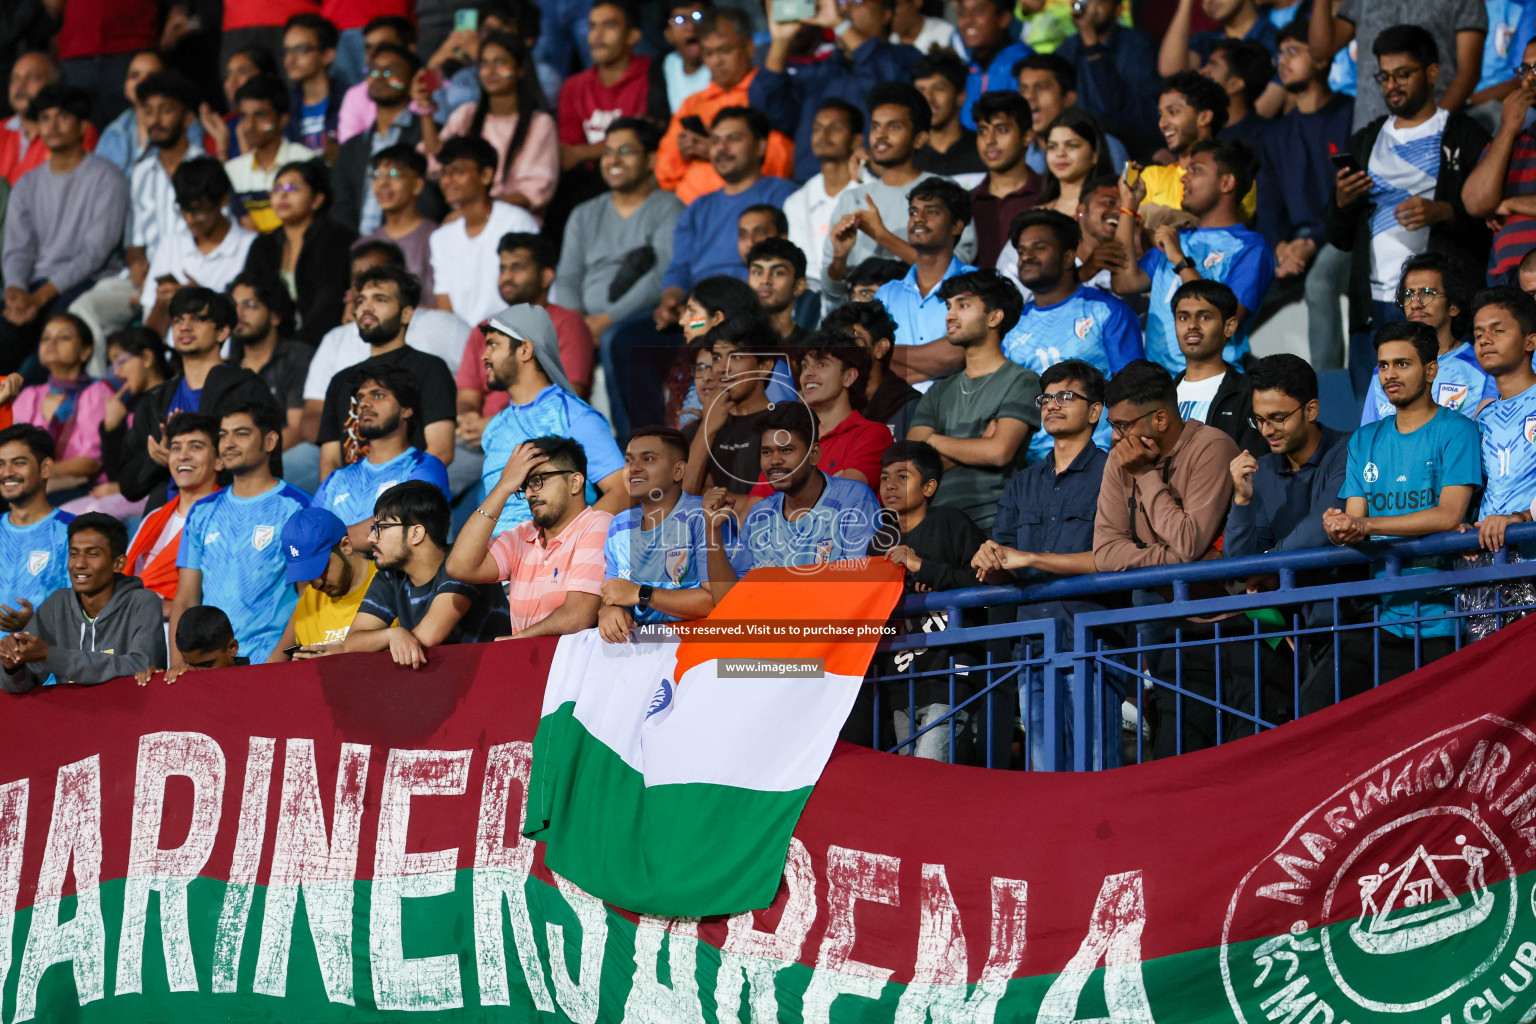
(689, 179)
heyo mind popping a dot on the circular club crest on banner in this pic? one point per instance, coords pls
(1405, 896)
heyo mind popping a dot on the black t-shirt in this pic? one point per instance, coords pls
(734, 459)
(890, 399)
(961, 158)
(392, 596)
(338, 421)
(284, 373)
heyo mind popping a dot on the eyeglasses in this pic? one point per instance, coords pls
(1295, 51)
(1426, 294)
(1273, 422)
(679, 20)
(535, 482)
(378, 527)
(1121, 428)
(1061, 398)
(1402, 76)
(392, 173)
(299, 50)
(384, 73)
(1521, 70)
(287, 187)
(703, 369)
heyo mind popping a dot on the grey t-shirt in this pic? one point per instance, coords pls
(892, 204)
(961, 406)
(600, 240)
(1443, 19)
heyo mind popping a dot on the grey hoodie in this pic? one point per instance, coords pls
(128, 635)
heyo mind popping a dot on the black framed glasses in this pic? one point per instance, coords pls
(1061, 398)
(1119, 429)
(1402, 76)
(1274, 422)
(535, 481)
(377, 528)
(679, 20)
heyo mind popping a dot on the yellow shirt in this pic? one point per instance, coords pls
(1165, 187)
(319, 619)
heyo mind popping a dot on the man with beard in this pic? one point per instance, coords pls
(1407, 198)
(1098, 253)
(264, 311)
(1049, 85)
(22, 131)
(810, 518)
(34, 542)
(1065, 319)
(201, 321)
(386, 404)
(386, 300)
(1432, 292)
(938, 214)
(951, 147)
(170, 106)
(231, 557)
(413, 588)
(355, 203)
(1190, 108)
(320, 554)
(899, 120)
(527, 270)
(1408, 475)
(522, 358)
(1297, 177)
(979, 420)
(553, 561)
(192, 449)
(835, 133)
(1219, 248)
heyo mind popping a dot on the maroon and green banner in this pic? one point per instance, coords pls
(342, 840)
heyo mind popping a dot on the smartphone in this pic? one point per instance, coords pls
(432, 79)
(793, 10)
(1345, 162)
(289, 652)
(1132, 173)
(466, 19)
(694, 123)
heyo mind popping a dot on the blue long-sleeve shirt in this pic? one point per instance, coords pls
(704, 244)
(1296, 176)
(1286, 510)
(996, 76)
(791, 98)
(1117, 81)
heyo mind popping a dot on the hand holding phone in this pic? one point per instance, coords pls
(1345, 162)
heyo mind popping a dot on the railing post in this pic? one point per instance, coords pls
(1081, 713)
(1050, 711)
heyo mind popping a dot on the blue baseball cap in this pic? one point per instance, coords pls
(308, 537)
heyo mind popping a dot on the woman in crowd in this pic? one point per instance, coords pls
(137, 358)
(310, 253)
(508, 117)
(1074, 152)
(70, 406)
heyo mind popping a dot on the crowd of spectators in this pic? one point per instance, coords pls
(386, 333)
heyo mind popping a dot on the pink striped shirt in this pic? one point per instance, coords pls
(539, 577)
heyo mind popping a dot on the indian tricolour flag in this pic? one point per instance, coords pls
(667, 782)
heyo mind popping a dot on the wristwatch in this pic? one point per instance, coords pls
(1185, 264)
(645, 595)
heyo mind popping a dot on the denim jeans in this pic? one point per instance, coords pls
(1327, 282)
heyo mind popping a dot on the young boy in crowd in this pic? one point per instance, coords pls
(935, 544)
(205, 639)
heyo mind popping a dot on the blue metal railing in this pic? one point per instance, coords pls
(1069, 687)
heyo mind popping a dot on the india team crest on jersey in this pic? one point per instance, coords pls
(1530, 430)
(1213, 259)
(1452, 396)
(676, 564)
(824, 552)
(261, 536)
(37, 561)
(1081, 326)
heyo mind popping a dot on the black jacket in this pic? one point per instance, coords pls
(322, 273)
(224, 388)
(350, 181)
(1463, 239)
(1230, 409)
